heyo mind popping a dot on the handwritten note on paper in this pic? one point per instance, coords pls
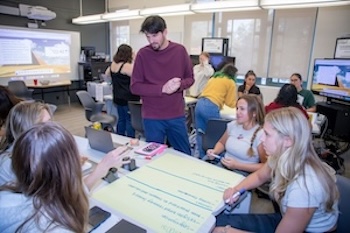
(170, 194)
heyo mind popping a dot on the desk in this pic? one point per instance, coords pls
(165, 194)
(62, 83)
(228, 113)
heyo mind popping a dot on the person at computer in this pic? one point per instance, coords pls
(201, 72)
(220, 90)
(286, 97)
(120, 71)
(162, 71)
(244, 152)
(25, 115)
(47, 194)
(7, 101)
(305, 97)
(249, 86)
(303, 186)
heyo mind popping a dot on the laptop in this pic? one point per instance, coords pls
(100, 140)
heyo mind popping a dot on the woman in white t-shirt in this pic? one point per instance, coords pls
(302, 185)
(244, 152)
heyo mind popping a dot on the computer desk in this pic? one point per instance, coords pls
(96, 156)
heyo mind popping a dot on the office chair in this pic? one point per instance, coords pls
(136, 116)
(343, 185)
(93, 110)
(215, 129)
(19, 89)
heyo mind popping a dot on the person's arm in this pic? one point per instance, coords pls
(312, 109)
(127, 69)
(112, 159)
(295, 220)
(231, 96)
(108, 71)
(219, 146)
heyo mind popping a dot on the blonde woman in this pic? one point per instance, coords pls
(244, 152)
(301, 183)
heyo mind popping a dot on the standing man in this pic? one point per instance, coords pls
(305, 97)
(162, 71)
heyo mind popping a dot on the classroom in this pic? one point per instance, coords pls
(63, 51)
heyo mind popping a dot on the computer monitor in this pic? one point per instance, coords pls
(97, 68)
(218, 61)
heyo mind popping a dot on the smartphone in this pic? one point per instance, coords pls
(124, 226)
(96, 217)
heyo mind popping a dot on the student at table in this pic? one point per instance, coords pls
(249, 86)
(22, 117)
(48, 194)
(220, 90)
(162, 71)
(244, 152)
(302, 185)
(305, 97)
(120, 71)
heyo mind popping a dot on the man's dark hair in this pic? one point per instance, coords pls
(153, 24)
(287, 96)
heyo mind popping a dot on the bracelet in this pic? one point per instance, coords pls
(225, 229)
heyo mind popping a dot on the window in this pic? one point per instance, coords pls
(120, 34)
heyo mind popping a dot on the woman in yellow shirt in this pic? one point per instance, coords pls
(220, 90)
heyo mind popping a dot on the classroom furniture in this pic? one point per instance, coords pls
(163, 189)
(52, 84)
(215, 129)
(343, 184)
(20, 89)
(136, 116)
(90, 70)
(93, 110)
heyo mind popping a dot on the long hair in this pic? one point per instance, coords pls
(229, 71)
(7, 101)
(250, 72)
(256, 113)
(287, 96)
(21, 117)
(288, 165)
(46, 162)
(123, 54)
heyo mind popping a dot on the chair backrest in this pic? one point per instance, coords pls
(215, 129)
(19, 89)
(89, 104)
(136, 116)
(343, 184)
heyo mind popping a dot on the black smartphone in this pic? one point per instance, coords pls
(124, 226)
(96, 217)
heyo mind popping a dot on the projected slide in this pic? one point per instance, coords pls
(33, 53)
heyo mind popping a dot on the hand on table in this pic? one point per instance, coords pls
(230, 163)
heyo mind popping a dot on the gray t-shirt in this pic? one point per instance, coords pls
(6, 172)
(15, 208)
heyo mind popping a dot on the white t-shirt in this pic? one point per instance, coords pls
(312, 195)
(238, 143)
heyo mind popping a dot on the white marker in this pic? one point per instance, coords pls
(214, 155)
(235, 195)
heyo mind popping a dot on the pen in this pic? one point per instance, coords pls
(235, 195)
(215, 156)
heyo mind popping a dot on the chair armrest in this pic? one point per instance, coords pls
(98, 107)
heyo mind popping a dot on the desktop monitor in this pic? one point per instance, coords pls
(331, 78)
(219, 60)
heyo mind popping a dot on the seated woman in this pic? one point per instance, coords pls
(244, 151)
(22, 117)
(249, 86)
(48, 194)
(287, 97)
(220, 90)
(301, 183)
(7, 101)
(201, 74)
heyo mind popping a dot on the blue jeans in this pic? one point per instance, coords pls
(205, 110)
(173, 129)
(250, 222)
(124, 122)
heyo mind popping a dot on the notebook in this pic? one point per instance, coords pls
(100, 140)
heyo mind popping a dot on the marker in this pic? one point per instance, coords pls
(235, 195)
(214, 155)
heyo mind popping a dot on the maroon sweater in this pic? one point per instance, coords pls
(274, 105)
(152, 69)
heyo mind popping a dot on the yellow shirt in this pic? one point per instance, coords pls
(220, 91)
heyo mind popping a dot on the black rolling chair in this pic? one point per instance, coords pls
(19, 89)
(215, 129)
(93, 110)
(136, 116)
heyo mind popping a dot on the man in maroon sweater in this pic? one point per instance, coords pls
(162, 71)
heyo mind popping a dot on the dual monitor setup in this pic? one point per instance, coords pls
(216, 60)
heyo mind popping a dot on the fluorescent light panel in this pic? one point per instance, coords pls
(89, 19)
(220, 6)
(182, 9)
(122, 15)
(287, 4)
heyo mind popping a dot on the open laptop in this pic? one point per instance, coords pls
(100, 140)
